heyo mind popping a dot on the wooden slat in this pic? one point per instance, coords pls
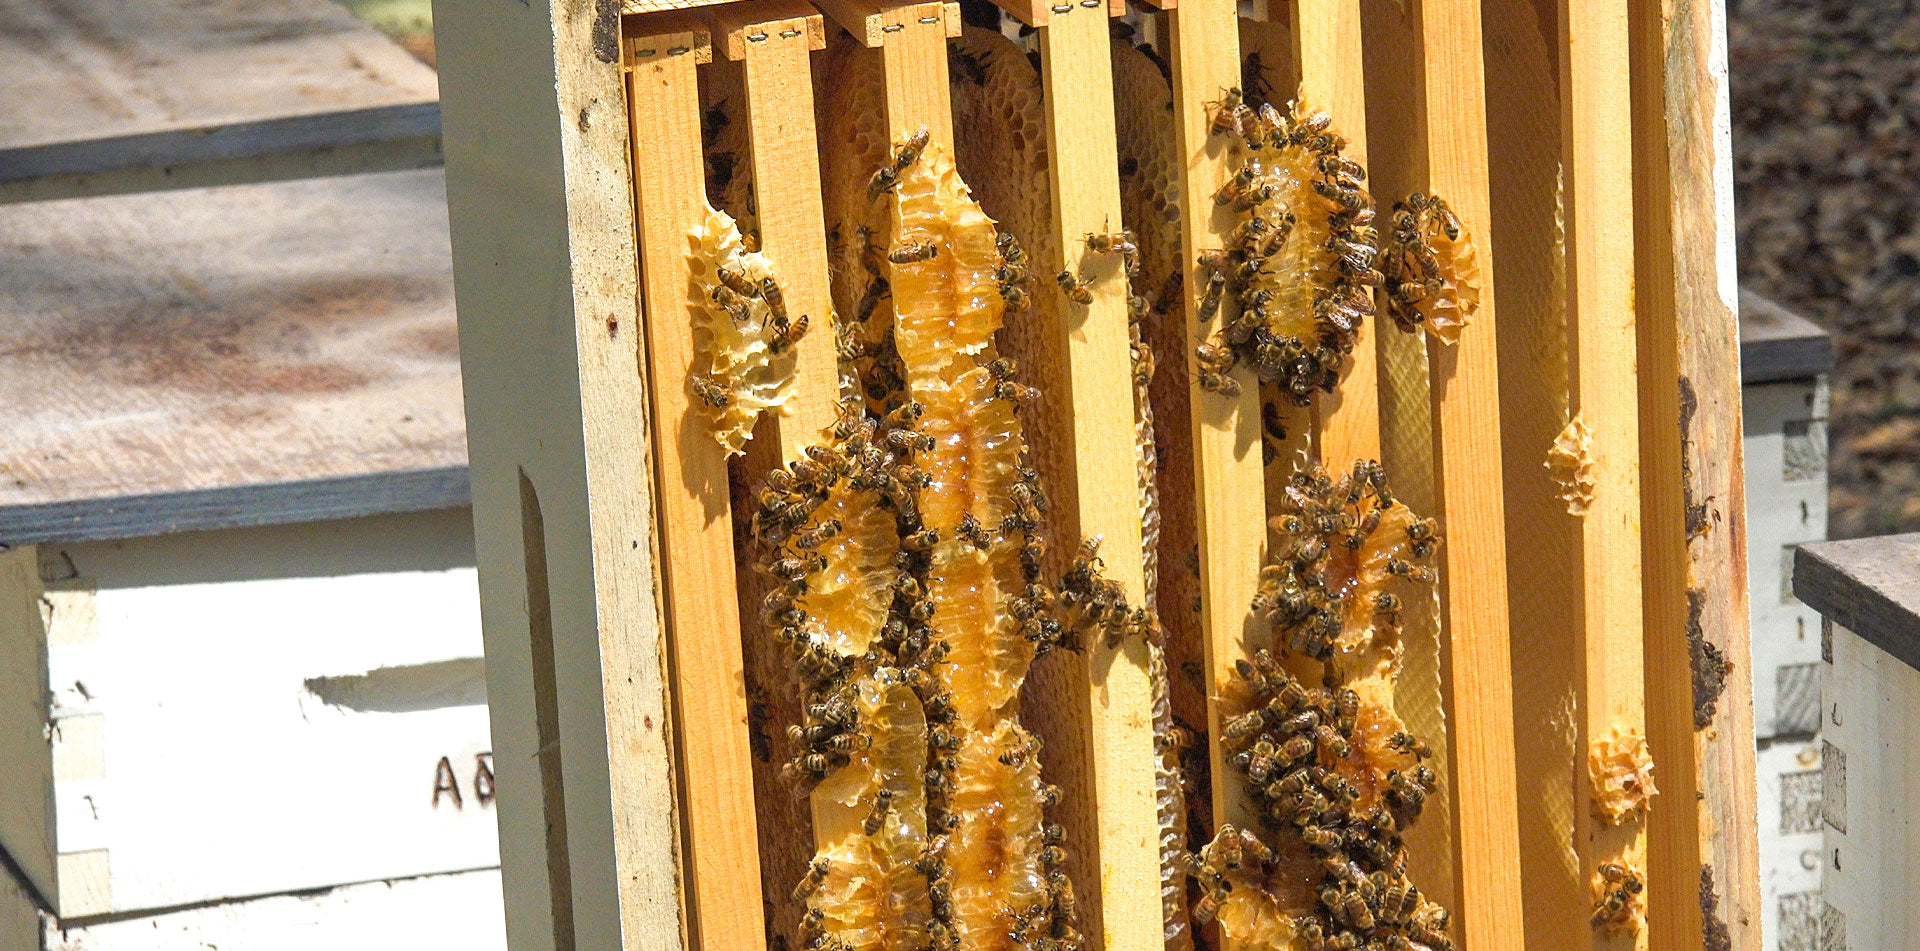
(1227, 471)
(1100, 495)
(787, 198)
(1704, 866)
(376, 139)
(274, 503)
(912, 39)
(723, 886)
(1039, 13)
(1597, 146)
(1326, 37)
(1478, 691)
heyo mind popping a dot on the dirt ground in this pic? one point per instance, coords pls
(1826, 140)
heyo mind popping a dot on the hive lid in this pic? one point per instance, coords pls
(1778, 344)
(1870, 586)
(199, 358)
(222, 356)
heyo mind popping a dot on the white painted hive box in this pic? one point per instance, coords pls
(246, 712)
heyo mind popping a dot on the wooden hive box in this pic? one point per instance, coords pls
(639, 699)
(238, 616)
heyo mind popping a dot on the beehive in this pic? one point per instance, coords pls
(962, 647)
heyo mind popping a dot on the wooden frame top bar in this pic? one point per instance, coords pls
(665, 33)
(1037, 13)
(740, 25)
(872, 21)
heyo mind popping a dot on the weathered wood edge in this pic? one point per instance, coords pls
(377, 139)
(1705, 888)
(238, 506)
(546, 284)
(1870, 586)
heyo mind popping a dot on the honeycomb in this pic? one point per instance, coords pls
(1332, 769)
(1301, 266)
(742, 337)
(907, 556)
(1430, 270)
(1570, 463)
(1620, 767)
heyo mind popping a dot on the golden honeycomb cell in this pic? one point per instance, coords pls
(742, 365)
(908, 553)
(1570, 464)
(1430, 269)
(1620, 767)
(1300, 266)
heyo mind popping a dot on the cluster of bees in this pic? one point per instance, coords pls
(1341, 548)
(1431, 273)
(1618, 906)
(1301, 263)
(1333, 812)
(743, 333)
(894, 576)
(1333, 773)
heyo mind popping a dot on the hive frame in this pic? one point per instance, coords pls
(596, 718)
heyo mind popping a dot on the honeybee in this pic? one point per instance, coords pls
(785, 334)
(1214, 382)
(904, 155)
(1244, 725)
(816, 874)
(776, 301)
(736, 282)
(1230, 113)
(1346, 197)
(1209, 904)
(734, 304)
(1107, 243)
(913, 253)
(1078, 290)
(710, 392)
(877, 817)
(1014, 295)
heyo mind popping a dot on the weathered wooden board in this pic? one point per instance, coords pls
(265, 710)
(1703, 854)
(214, 338)
(78, 70)
(540, 196)
(378, 139)
(1871, 586)
(241, 506)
